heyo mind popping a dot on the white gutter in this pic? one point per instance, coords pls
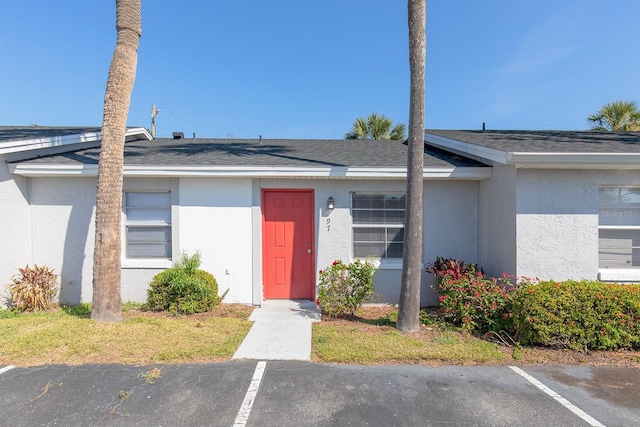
(38, 143)
(131, 132)
(528, 159)
(591, 158)
(17, 146)
(466, 149)
(43, 170)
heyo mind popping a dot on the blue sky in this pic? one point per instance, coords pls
(292, 69)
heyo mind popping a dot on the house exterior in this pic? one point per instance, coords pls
(266, 215)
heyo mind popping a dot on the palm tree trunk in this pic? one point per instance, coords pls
(107, 304)
(409, 309)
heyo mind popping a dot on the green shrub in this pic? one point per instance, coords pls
(471, 300)
(578, 315)
(344, 288)
(34, 289)
(477, 303)
(184, 289)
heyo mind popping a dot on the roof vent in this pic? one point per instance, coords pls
(178, 135)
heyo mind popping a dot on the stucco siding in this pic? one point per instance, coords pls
(63, 232)
(215, 218)
(14, 227)
(221, 218)
(135, 283)
(497, 219)
(450, 226)
(557, 221)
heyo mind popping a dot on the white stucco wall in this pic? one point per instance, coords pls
(14, 227)
(215, 218)
(63, 232)
(63, 229)
(221, 218)
(557, 221)
(497, 220)
(450, 226)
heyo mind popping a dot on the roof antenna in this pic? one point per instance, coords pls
(154, 114)
(260, 139)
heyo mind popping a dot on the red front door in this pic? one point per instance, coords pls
(287, 244)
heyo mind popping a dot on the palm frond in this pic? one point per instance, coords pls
(377, 127)
(616, 116)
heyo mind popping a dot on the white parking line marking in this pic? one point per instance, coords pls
(564, 402)
(249, 398)
(6, 368)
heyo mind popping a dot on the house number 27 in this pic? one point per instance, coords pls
(328, 224)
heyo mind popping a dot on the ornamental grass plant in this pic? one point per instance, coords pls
(34, 289)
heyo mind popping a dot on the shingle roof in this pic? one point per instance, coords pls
(17, 133)
(274, 152)
(547, 141)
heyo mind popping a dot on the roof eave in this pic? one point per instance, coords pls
(339, 172)
(627, 161)
(25, 148)
(475, 152)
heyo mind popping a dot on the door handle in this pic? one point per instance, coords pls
(308, 251)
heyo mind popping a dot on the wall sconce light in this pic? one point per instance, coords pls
(331, 203)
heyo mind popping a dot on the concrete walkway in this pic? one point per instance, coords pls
(281, 331)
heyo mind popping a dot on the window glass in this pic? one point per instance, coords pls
(148, 224)
(619, 248)
(378, 225)
(619, 227)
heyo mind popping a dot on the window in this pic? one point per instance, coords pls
(378, 225)
(148, 224)
(619, 227)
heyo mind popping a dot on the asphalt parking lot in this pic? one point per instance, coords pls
(311, 394)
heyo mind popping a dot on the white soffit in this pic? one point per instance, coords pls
(43, 170)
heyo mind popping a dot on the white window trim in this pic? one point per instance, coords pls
(618, 274)
(141, 262)
(147, 263)
(386, 263)
(379, 262)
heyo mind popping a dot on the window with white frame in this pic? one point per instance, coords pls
(378, 224)
(619, 227)
(148, 224)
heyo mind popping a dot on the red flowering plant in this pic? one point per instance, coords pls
(472, 300)
(343, 288)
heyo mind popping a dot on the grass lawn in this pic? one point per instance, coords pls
(70, 337)
(370, 337)
(337, 344)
